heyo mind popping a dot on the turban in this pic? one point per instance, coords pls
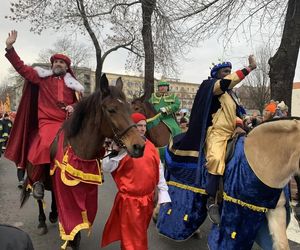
(137, 117)
(217, 67)
(271, 107)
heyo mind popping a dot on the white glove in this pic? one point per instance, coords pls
(163, 109)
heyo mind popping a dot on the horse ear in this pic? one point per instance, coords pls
(104, 85)
(119, 83)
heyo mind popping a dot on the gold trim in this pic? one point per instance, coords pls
(185, 218)
(233, 235)
(84, 225)
(153, 118)
(244, 204)
(190, 188)
(182, 152)
(81, 176)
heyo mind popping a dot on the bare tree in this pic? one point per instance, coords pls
(256, 87)
(78, 52)
(158, 43)
(78, 16)
(233, 18)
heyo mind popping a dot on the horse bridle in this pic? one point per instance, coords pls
(118, 136)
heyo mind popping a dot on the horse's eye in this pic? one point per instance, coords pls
(111, 110)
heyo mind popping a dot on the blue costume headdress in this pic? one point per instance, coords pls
(216, 67)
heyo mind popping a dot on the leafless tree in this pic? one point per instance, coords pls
(158, 42)
(75, 16)
(233, 19)
(256, 87)
(78, 52)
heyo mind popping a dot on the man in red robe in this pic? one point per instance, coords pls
(47, 100)
(136, 179)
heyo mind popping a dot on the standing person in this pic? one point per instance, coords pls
(168, 104)
(7, 126)
(270, 110)
(136, 180)
(183, 124)
(214, 116)
(48, 98)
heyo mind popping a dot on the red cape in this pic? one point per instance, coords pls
(25, 126)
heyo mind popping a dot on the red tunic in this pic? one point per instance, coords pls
(52, 91)
(136, 179)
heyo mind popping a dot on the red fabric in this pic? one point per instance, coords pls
(240, 74)
(25, 126)
(66, 59)
(136, 179)
(76, 200)
(38, 125)
(136, 117)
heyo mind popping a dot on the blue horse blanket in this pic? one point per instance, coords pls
(245, 201)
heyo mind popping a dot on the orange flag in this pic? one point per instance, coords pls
(7, 104)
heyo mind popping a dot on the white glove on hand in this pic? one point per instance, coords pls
(163, 109)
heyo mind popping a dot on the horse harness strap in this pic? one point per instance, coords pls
(118, 136)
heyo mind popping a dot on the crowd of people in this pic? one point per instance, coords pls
(56, 93)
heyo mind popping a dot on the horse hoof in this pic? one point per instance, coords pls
(42, 230)
(53, 217)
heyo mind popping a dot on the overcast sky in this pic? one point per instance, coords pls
(194, 70)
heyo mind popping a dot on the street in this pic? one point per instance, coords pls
(27, 218)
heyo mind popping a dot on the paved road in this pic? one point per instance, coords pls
(27, 218)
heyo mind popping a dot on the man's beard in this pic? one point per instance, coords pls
(58, 71)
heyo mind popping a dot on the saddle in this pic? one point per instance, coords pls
(231, 143)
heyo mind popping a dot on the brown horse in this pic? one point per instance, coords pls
(103, 114)
(159, 134)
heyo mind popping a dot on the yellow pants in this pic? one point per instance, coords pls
(216, 151)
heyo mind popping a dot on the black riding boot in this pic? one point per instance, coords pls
(20, 174)
(211, 204)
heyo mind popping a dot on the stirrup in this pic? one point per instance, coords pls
(214, 214)
(38, 190)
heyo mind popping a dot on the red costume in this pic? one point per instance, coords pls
(75, 186)
(40, 113)
(136, 179)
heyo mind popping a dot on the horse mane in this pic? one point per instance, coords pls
(89, 106)
(150, 107)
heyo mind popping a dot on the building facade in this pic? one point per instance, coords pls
(133, 85)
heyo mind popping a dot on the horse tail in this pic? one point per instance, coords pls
(25, 193)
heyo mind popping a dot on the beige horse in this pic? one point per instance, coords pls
(275, 164)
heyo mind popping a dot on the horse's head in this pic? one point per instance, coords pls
(137, 105)
(117, 120)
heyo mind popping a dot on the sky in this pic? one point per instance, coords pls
(194, 69)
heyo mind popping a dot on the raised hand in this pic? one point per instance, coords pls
(12, 37)
(252, 62)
